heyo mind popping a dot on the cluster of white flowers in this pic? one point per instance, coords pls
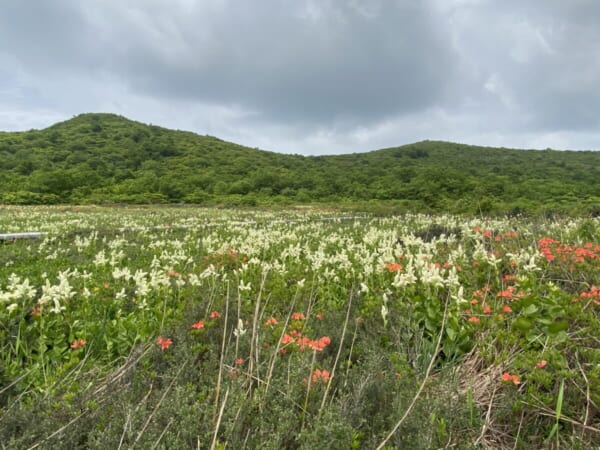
(140, 253)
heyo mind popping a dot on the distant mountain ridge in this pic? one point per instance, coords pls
(106, 158)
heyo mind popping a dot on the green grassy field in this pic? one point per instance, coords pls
(304, 328)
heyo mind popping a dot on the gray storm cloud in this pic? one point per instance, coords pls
(311, 76)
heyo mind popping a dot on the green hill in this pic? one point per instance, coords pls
(105, 158)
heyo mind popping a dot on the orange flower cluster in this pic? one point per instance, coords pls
(77, 343)
(593, 294)
(479, 296)
(173, 273)
(320, 375)
(508, 293)
(270, 322)
(508, 378)
(229, 257)
(198, 325)
(541, 364)
(551, 249)
(303, 343)
(490, 233)
(164, 342)
(393, 267)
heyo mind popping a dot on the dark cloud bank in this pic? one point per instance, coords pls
(312, 76)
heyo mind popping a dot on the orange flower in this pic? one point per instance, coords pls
(395, 267)
(507, 309)
(507, 377)
(78, 343)
(541, 364)
(215, 315)
(319, 344)
(324, 341)
(287, 339)
(239, 361)
(198, 325)
(304, 342)
(319, 316)
(271, 322)
(474, 319)
(164, 342)
(320, 375)
(487, 310)
(298, 316)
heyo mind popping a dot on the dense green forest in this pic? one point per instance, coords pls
(105, 158)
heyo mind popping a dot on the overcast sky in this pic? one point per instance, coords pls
(311, 76)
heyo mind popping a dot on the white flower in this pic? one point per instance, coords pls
(100, 258)
(459, 296)
(244, 287)
(240, 330)
(384, 312)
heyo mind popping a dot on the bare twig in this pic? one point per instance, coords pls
(222, 357)
(162, 434)
(214, 441)
(587, 396)
(488, 415)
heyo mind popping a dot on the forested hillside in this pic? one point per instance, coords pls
(105, 158)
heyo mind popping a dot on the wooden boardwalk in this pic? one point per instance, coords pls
(15, 236)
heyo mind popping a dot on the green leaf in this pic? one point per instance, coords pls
(522, 324)
(530, 310)
(451, 334)
(558, 326)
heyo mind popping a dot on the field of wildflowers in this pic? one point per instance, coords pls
(305, 328)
